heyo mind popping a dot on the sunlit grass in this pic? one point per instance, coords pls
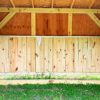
(50, 92)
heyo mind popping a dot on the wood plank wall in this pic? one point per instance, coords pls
(50, 54)
(50, 25)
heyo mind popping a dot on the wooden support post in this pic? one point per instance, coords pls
(95, 19)
(70, 24)
(90, 6)
(6, 19)
(33, 24)
(12, 3)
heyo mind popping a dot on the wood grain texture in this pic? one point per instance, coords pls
(82, 3)
(52, 24)
(84, 26)
(96, 4)
(50, 54)
(20, 24)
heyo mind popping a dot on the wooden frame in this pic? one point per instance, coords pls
(95, 19)
(6, 19)
(70, 24)
(48, 81)
(33, 24)
(52, 10)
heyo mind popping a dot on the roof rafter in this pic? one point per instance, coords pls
(95, 19)
(73, 1)
(90, 6)
(12, 3)
(6, 19)
(52, 2)
(33, 3)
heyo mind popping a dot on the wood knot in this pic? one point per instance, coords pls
(36, 54)
(11, 39)
(16, 69)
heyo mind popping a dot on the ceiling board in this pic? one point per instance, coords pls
(5, 3)
(23, 3)
(82, 3)
(62, 3)
(47, 3)
(96, 4)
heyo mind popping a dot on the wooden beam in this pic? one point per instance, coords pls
(70, 24)
(49, 10)
(33, 24)
(52, 2)
(12, 3)
(33, 3)
(72, 3)
(92, 3)
(48, 81)
(95, 19)
(6, 19)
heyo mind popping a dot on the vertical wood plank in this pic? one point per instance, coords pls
(97, 55)
(50, 54)
(81, 43)
(76, 57)
(30, 54)
(33, 24)
(4, 61)
(93, 59)
(5, 55)
(42, 58)
(12, 53)
(85, 54)
(69, 55)
(33, 60)
(46, 54)
(90, 47)
(61, 54)
(37, 54)
(21, 55)
(54, 54)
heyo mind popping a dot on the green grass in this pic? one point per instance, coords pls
(50, 92)
(85, 77)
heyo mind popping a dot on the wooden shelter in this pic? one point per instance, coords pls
(23, 22)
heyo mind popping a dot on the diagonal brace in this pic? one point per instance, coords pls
(6, 19)
(95, 19)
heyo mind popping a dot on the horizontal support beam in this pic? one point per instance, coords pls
(95, 19)
(49, 10)
(48, 81)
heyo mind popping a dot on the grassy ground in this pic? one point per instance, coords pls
(81, 77)
(50, 92)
